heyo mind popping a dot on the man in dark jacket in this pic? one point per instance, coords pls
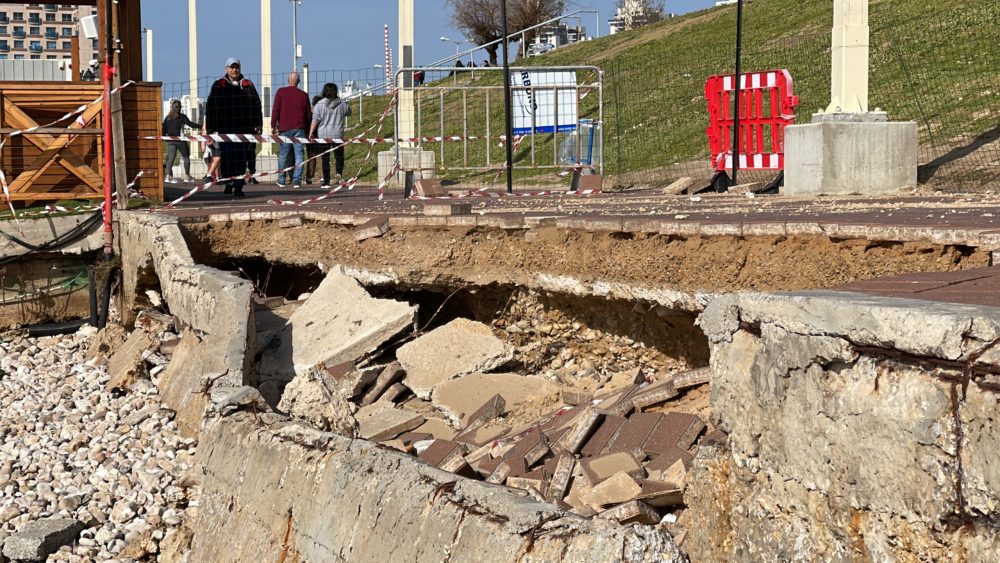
(234, 107)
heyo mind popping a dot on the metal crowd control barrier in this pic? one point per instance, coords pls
(762, 126)
(459, 118)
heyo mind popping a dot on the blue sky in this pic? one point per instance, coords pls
(343, 35)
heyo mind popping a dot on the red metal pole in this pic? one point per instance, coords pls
(107, 74)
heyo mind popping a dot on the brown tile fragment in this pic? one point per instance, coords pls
(561, 476)
(605, 432)
(692, 378)
(675, 429)
(635, 432)
(441, 452)
(666, 459)
(491, 410)
(654, 394)
(661, 495)
(580, 431)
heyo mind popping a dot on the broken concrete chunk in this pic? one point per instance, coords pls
(654, 394)
(575, 397)
(388, 423)
(500, 474)
(619, 403)
(461, 397)
(600, 468)
(633, 512)
(482, 435)
(675, 429)
(616, 489)
(676, 474)
(679, 186)
(524, 483)
(492, 409)
(446, 209)
(437, 428)
(37, 540)
(353, 381)
(315, 398)
(458, 348)
(154, 322)
(389, 376)
(372, 228)
(666, 460)
(340, 322)
(268, 323)
(126, 364)
(692, 378)
(290, 221)
(624, 379)
(529, 449)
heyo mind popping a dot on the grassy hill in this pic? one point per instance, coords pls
(935, 63)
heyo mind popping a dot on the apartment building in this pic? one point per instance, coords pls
(44, 32)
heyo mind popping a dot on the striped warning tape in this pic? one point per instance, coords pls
(349, 184)
(282, 139)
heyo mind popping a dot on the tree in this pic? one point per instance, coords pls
(481, 22)
(637, 13)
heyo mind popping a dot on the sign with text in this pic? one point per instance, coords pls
(543, 101)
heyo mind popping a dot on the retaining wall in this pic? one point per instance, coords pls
(859, 428)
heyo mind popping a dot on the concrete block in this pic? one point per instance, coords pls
(838, 158)
(623, 379)
(678, 187)
(589, 182)
(441, 452)
(459, 398)
(616, 489)
(600, 468)
(633, 512)
(576, 397)
(619, 403)
(529, 449)
(154, 322)
(692, 378)
(458, 348)
(38, 539)
(674, 475)
(666, 460)
(185, 384)
(447, 209)
(429, 187)
(371, 228)
(291, 221)
(353, 381)
(126, 364)
(581, 429)
(388, 423)
(561, 476)
(420, 162)
(525, 483)
(339, 323)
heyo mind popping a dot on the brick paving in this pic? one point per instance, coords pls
(972, 220)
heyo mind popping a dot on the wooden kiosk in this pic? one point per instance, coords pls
(66, 160)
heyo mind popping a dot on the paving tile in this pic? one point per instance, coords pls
(605, 432)
(674, 429)
(600, 468)
(636, 430)
(632, 512)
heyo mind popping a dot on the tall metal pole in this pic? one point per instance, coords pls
(266, 84)
(193, 51)
(107, 75)
(736, 116)
(149, 54)
(506, 100)
(295, 34)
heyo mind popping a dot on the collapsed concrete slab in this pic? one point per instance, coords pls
(37, 539)
(340, 322)
(457, 348)
(459, 398)
(373, 504)
(126, 364)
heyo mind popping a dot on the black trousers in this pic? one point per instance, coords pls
(338, 157)
(235, 160)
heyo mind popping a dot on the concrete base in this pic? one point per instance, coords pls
(418, 161)
(835, 157)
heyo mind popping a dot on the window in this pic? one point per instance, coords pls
(35, 18)
(67, 18)
(18, 57)
(50, 44)
(67, 45)
(18, 44)
(50, 57)
(50, 17)
(3, 29)
(50, 32)
(33, 30)
(19, 16)
(3, 17)
(67, 32)
(4, 46)
(93, 44)
(35, 57)
(3, 57)
(36, 46)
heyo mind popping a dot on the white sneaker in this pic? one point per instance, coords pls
(340, 179)
(169, 180)
(325, 186)
(280, 183)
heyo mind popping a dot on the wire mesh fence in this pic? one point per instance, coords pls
(931, 65)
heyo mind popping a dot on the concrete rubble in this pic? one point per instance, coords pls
(36, 540)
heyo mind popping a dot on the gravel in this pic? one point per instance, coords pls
(70, 448)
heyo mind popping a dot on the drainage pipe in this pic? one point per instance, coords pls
(53, 329)
(106, 299)
(92, 296)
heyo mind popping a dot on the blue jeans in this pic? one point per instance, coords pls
(300, 154)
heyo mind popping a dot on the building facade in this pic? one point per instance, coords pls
(38, 31)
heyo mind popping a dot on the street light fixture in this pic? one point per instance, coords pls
(458, 44)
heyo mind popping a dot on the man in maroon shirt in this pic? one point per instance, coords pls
(290, 117)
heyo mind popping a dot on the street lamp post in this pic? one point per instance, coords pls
(458, 45)
(508, 112)
(296, 50)
(149, 53)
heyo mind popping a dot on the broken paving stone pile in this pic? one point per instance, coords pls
(88, 470)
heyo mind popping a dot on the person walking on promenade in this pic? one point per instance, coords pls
(173, 126)
(234, 107)
(328, 120)
(290, 117)
(313, 150)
